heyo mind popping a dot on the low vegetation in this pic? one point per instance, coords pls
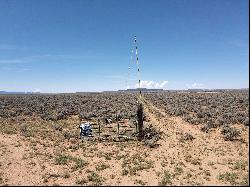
(188, 139)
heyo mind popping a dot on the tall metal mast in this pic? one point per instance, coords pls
(138, 69)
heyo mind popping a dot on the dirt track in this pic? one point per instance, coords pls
(206, 160)
(206, 156)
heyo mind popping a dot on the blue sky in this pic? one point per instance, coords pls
(68, 46)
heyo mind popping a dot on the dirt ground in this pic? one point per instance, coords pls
(35, 152)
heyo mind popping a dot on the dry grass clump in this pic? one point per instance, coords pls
(151, 136)
(166, 179)
(187, 137)
(62, 159)
(131, 165)
(230, 133)
(95, 178)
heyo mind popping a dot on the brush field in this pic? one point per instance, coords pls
(189, 139)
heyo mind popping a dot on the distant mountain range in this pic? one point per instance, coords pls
(142, 89)
(134, 90)
(188, 90)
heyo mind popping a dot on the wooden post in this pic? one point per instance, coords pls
(136, 128)
(140, 121)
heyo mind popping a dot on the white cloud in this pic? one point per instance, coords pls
(152, 84)
(127, 87)
(37, 90)
(195, 86)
